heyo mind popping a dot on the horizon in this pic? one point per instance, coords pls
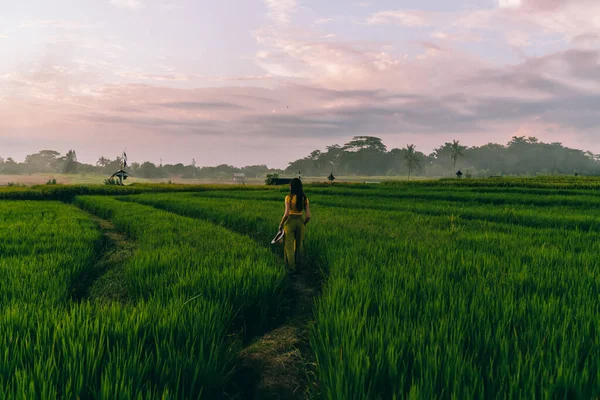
(268, 81)
(241, 166)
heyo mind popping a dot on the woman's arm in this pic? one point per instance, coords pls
(307, 213)
(286, 214)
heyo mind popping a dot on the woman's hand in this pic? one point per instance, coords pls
(306, 221)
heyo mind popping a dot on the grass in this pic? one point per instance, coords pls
(427, 301)
(177, 334)
(44, 249)
(447, 290)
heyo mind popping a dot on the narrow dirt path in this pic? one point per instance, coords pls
(105, 281)
(278, 365)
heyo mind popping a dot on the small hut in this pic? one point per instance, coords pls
(121, 174)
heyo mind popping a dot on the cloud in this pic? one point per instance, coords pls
(197, 125)
(130, 4)
(457, 36)
(518, 39)
(570, 18)
(280, 10)
(139, 75)
(324, 20)
(509, 3)
(243, 78)
(410, 18)
(198, 105)
(308, 83)
(52, 23)
(587, 37)
(170, 5)
(431, 46)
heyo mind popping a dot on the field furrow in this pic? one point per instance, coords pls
(427, 302)
(276, 364)
(455, 289)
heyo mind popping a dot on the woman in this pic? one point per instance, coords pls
(292, 222)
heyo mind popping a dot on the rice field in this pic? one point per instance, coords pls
(449, 290)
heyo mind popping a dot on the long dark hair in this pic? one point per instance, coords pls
(296, 190)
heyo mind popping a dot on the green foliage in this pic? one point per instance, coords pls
(14, 185)
(411, 160)
(464, 294)
(478, 288)
(112, 182)
(70, 162)
(44, 248)
(367, 156)
(171, 339)
(51, 182)
(68, 192)
(271, 178)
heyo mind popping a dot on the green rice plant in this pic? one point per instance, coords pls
(183, 258)
(553, 182)
(422, 302)
(447, 290)
(573, 212)
(200, 279)
(44, 249)
(173, 338)
(134, 351)
(68, 192)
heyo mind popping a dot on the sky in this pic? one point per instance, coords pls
(247, 82)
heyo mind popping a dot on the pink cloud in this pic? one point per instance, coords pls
(402, 17)
(280, 10)
(130, 4)
(570, 18)
(307, 85)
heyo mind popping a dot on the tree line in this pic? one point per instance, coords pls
(51, 161)
(362, 156)
(368, 156)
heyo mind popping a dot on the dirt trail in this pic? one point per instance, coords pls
(278, 364)
(105, 282)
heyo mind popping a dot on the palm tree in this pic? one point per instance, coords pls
(410, 159)
(456, 151)
(102, 162)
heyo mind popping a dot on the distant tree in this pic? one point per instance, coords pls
(410, 159)
(271, 178)
(70, 162)
(457, 151)
(102, 162)
(149, 170)
(365, 143)
(365, 155)
(10, 166)
(442, 156)
(255, 170)
(43, 161)
(332, 157)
